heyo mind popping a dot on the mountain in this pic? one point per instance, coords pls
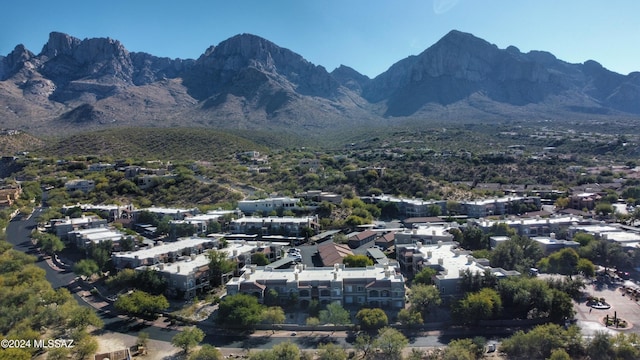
(247, 82)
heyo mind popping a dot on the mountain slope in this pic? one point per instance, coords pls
(250, 83)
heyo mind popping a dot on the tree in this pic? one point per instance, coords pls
(143, 339)
(482, 305)
(586, 268)
(364, 343)
(473, 239)
(335, 314)
(140, 303)
(391, 342)
(259, 259)
(187, 338)
(542, 340)
(355, 261)
(425, 276)
(410, 317)
(372, 319)
(84, 317)
(273, 315)
(86, 267)
(207, 352)
(48, 243)
(559, 354)
(331, 351)
(241, 310)
(219, 266)
(463, 349)
(286, 351)
(424, 297)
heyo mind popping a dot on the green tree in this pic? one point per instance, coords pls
(372, 319)
(425, 276)
(83, 317)
(482, 305)
(424, 297)
(259, 259)
(187, 338)
(286, 351)
(142, 304)
(410, 317)
(207, 352)
(86, 267)
(586, 268)
(219, 266)
(335, 314)
(241, 310)
(355, 261)
(48, 243)
(473, 239)
(559, 354)
(331, 351)
(273, 315)
(463, 349)
(390, 342)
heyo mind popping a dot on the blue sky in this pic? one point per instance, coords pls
(367, 35)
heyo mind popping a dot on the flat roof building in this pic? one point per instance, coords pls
(376, 286)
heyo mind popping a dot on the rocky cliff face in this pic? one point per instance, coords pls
(461, 65)
(250, 82)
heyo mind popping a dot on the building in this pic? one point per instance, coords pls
(358, 239)
(449, 261)
(412, 208)
(423, 234)
(536, 226)
(551, 244)
(331, 253)
(272, 225)
(501, 206)
(186, 278)
(62, 227)
(268, 205)
(173, 213)
(163, 252)
(320, 196)
(85, 238)
(80, 185)
(375, 286)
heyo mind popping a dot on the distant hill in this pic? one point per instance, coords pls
(152, 143)
(250, 83)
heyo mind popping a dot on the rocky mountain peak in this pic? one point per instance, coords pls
(15, 61)
(59, 44)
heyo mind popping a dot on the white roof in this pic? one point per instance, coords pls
(532, 221)
(321, 274)
(165, 248)
(266, 220)
(452, 260)
(184, 267)
(426, 230)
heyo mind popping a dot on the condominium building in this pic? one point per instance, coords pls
(163, 252)
(449, 261)
(268, 205)
(375, 286)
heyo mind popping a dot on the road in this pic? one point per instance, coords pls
(18, 234)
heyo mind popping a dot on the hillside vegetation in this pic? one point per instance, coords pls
(152, 143)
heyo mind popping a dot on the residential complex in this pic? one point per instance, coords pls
(448, 260)
(376, 286)
(268, 205)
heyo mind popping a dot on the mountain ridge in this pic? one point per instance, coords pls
(248, 82)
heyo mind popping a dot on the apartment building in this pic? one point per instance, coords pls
(449, 261)
(375, 286)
